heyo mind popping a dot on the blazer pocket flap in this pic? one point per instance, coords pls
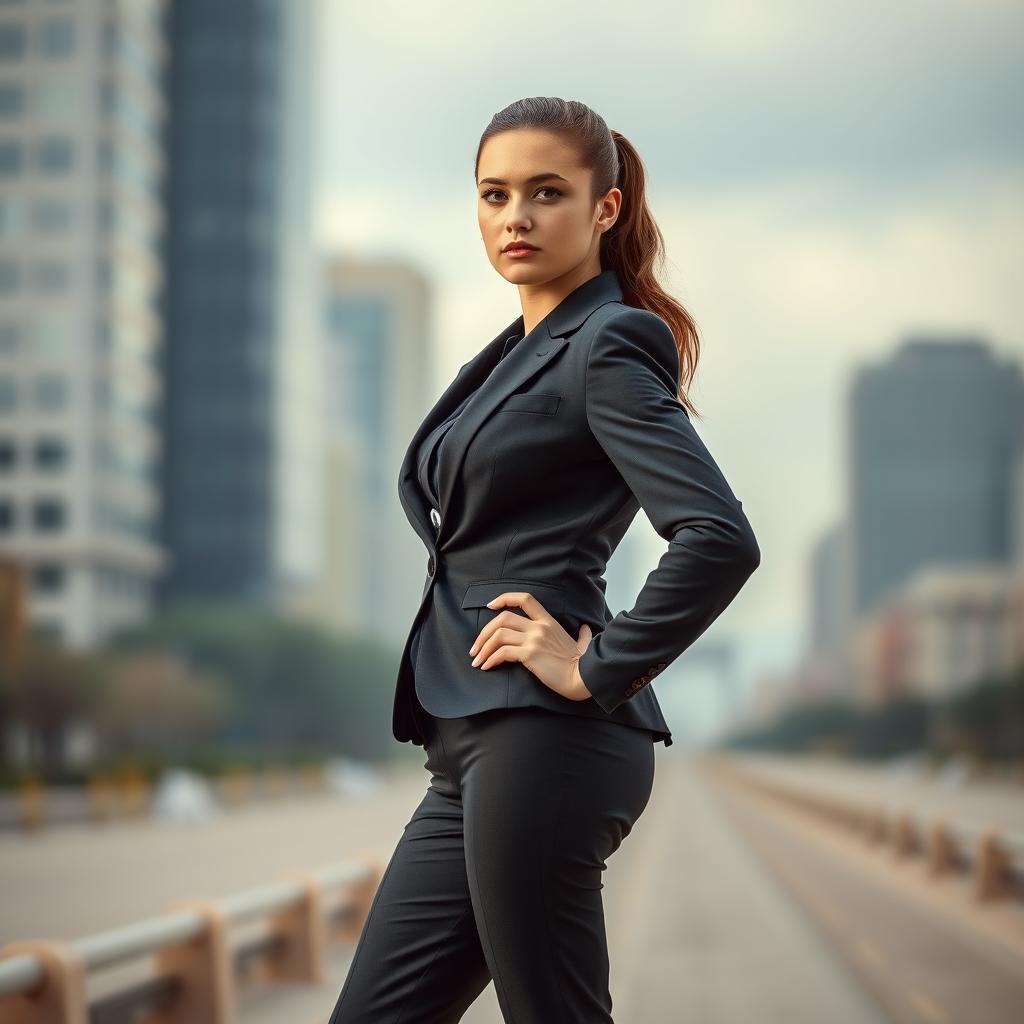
(533, 402)
(480, 592)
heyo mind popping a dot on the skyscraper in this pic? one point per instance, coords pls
(935, 431)
(80, 218)
(242, 420)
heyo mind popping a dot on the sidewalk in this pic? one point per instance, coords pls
(698, 932)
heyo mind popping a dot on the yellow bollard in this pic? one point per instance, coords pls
(134, 794)
(32, 804)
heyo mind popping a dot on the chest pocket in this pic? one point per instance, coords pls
(545, 405)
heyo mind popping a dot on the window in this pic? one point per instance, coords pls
(12, 217)
(12, 99)
(6, 515)
(57, 37)
(56, 96)
(8, 395)
(50, 276)
(8, 454)
(51, 216)
(48, 514)
(52, 333)
(53, 154)
(49, 453)
(12, 40)
(51, 392)
(10, 158)
(10, 276)
(10, 338)
(47, 578)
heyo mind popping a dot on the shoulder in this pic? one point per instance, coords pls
(628, 337)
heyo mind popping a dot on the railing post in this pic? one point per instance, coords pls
(304, 929)
(60, 999)
(203, 966)
(992, 867)
(905, 840)
(360, 895)
(940, 850)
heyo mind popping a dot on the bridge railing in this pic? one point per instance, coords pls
(197, 969)
(993, 857)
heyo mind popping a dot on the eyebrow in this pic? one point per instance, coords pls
(529, 181)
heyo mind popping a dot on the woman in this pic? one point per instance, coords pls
(531, 700)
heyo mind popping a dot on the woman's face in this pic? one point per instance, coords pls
(530, 188)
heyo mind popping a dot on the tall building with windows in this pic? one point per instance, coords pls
(377, 316)
(81, 109)
(242, 422)
(935, 434)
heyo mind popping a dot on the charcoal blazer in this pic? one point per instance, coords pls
(561, 444)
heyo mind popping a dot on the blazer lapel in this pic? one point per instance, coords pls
(528, 357)
(468, 378)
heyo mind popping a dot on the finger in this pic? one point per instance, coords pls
(520, 599)
(502, 619)
(502, 639)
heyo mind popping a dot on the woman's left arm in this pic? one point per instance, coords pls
(633, 411)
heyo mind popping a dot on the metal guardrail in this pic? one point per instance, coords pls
(993, 857)
(196, 973)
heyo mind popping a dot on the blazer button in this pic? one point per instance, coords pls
(430, 566)
(435, 518)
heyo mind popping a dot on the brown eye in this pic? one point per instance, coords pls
(544, 188)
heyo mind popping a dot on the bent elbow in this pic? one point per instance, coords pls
(748, 551)
(752, 553)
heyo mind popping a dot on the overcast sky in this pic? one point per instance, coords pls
(828, 177)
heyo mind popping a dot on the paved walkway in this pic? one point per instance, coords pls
(699, 932)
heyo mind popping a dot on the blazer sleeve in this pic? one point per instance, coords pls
(632, 409)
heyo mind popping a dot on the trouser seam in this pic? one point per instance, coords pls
(440, 946)
(546, 886)
(485, 938)
(359, 948)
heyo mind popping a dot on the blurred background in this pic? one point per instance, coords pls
(239, 261)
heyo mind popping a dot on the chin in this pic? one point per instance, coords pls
(525, 274)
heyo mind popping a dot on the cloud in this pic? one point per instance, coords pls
(714, 94)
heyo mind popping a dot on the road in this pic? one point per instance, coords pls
(722, 907)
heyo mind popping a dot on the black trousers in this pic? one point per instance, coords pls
(498, 873)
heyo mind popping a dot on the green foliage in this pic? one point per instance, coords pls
(985, 720)
(291, 684)
(206, 684)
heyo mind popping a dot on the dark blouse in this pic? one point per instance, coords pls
(429, 453)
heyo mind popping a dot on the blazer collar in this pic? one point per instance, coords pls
(493, 382)
(581, 302)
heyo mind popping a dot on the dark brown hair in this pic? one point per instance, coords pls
(634, 247)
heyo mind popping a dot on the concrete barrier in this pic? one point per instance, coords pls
(993, 857)
(196, 975)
